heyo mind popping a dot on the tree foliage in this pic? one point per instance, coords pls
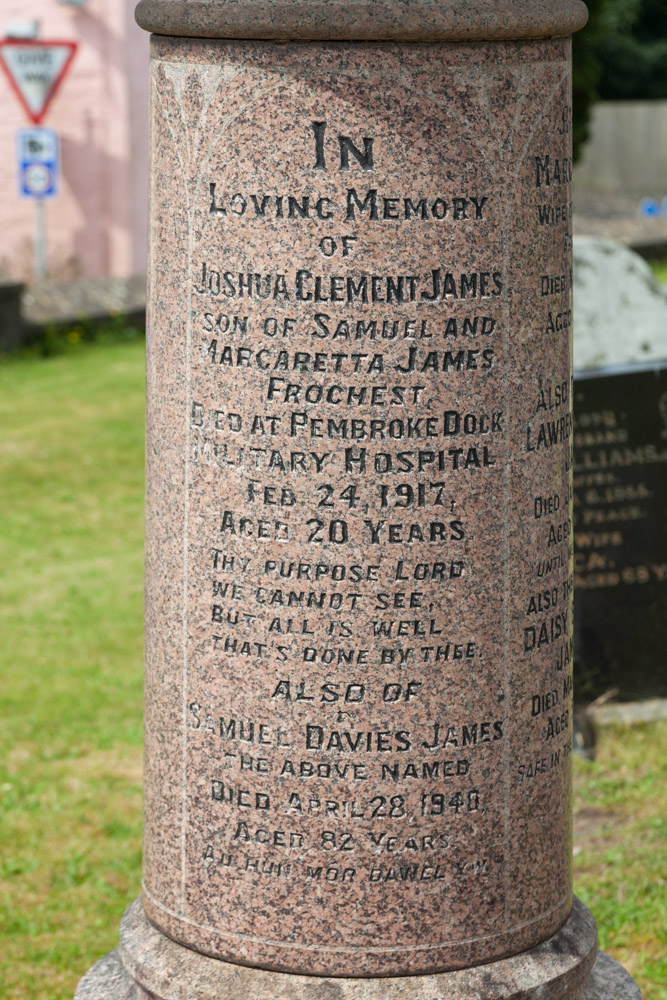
(621, 54)
(634, 55)
(586, 72)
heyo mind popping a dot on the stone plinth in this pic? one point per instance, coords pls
(358, 569)
(564, 966)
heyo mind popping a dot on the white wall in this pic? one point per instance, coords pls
(627, 151)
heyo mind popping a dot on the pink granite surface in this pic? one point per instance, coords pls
(358, 614)
(356, 20)
(148, 964)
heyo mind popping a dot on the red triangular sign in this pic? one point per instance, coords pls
(35, 71)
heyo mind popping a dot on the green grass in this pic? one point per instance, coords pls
(620, 842)
(659, 268)
(71, 478)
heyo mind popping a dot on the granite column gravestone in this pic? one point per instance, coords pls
(358, 597)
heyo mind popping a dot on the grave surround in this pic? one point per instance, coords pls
(358, 553)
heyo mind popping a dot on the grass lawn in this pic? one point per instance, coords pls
(71, 476)
(620, 848)
(659, 268)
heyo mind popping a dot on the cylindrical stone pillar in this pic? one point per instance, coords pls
(358, 569)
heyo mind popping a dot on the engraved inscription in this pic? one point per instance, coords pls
(373, 615)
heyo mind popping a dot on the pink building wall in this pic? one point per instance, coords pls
(96, 225)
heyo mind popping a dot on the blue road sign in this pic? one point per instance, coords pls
(649, 208)
(38, 162)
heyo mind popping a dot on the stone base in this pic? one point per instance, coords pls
(150, 966)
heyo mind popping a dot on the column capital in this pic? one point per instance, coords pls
(363, 20)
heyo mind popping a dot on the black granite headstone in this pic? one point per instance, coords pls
(620, 532)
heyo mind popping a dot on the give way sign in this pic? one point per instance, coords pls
(35, 70)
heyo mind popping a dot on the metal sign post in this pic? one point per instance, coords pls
(38, 169)
(40, 240)
(35, 70)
